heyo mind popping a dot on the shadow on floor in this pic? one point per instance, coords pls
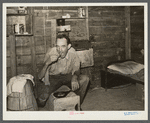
(117, 99)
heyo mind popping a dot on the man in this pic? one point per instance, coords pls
(62, 67)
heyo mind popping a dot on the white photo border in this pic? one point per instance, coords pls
(87, 115)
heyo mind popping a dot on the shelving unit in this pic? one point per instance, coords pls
(85, 18)
(12, 38)
(27, 22)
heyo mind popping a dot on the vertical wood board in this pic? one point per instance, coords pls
(13, 55)
(128, 37)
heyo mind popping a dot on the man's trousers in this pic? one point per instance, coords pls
(56, 81)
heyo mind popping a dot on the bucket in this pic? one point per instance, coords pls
(22, 101)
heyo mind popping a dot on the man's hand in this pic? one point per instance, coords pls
(40, 75)
(74, 85)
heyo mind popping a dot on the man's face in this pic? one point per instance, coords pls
(62, 47)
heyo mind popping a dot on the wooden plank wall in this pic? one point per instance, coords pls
(107, 33)
(137, 32)
(45, 28)
(42, 35)
(10, 21)
(128, 33)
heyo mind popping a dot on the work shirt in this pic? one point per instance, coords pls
(67, 65)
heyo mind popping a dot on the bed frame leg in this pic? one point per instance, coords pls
(106, 79)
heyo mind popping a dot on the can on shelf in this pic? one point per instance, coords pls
(16, 28)
(81, 12)
(21, 28)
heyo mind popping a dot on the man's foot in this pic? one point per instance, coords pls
(40, 80)
(40, 103)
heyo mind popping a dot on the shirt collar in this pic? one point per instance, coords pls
(67, 55)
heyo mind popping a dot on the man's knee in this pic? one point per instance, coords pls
(84, 79)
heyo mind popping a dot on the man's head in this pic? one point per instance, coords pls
(63, 44)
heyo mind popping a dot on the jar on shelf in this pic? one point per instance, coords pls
(18, 28)
(81, 12)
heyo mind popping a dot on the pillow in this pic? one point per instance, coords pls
(128, 67)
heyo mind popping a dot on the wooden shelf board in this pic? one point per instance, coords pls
(67, 19)
(16, 14)
(63, 31)
(23, 34)
(73, 18)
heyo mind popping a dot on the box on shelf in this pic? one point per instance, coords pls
(64, 28)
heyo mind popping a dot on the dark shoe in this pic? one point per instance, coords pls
(76, 108)
(40, 103)
(40, 80)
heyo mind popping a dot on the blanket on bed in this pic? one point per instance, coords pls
(128, 67)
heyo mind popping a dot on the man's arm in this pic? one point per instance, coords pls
(75, 73)
(48, 60)
(74, 81)
(43, 71)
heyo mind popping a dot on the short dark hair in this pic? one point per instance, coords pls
(60, 36)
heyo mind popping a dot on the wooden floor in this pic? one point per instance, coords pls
(122, 98)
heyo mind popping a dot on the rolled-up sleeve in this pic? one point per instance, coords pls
(46, 77)
(47, 55)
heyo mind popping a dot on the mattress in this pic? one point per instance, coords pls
(128, 67)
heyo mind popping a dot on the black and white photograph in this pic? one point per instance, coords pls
(75, 61)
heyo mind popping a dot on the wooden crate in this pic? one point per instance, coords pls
(69, 103)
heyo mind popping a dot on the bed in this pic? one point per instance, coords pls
(121, 73)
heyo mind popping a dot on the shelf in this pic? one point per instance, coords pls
(67, 19)
(23, 34)
(17, 14)
(63, 31)
(20, 35)
(82, 49)
(73, 18)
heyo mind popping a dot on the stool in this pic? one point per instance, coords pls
(69, 103)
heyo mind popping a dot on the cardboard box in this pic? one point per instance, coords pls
(65, 28)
